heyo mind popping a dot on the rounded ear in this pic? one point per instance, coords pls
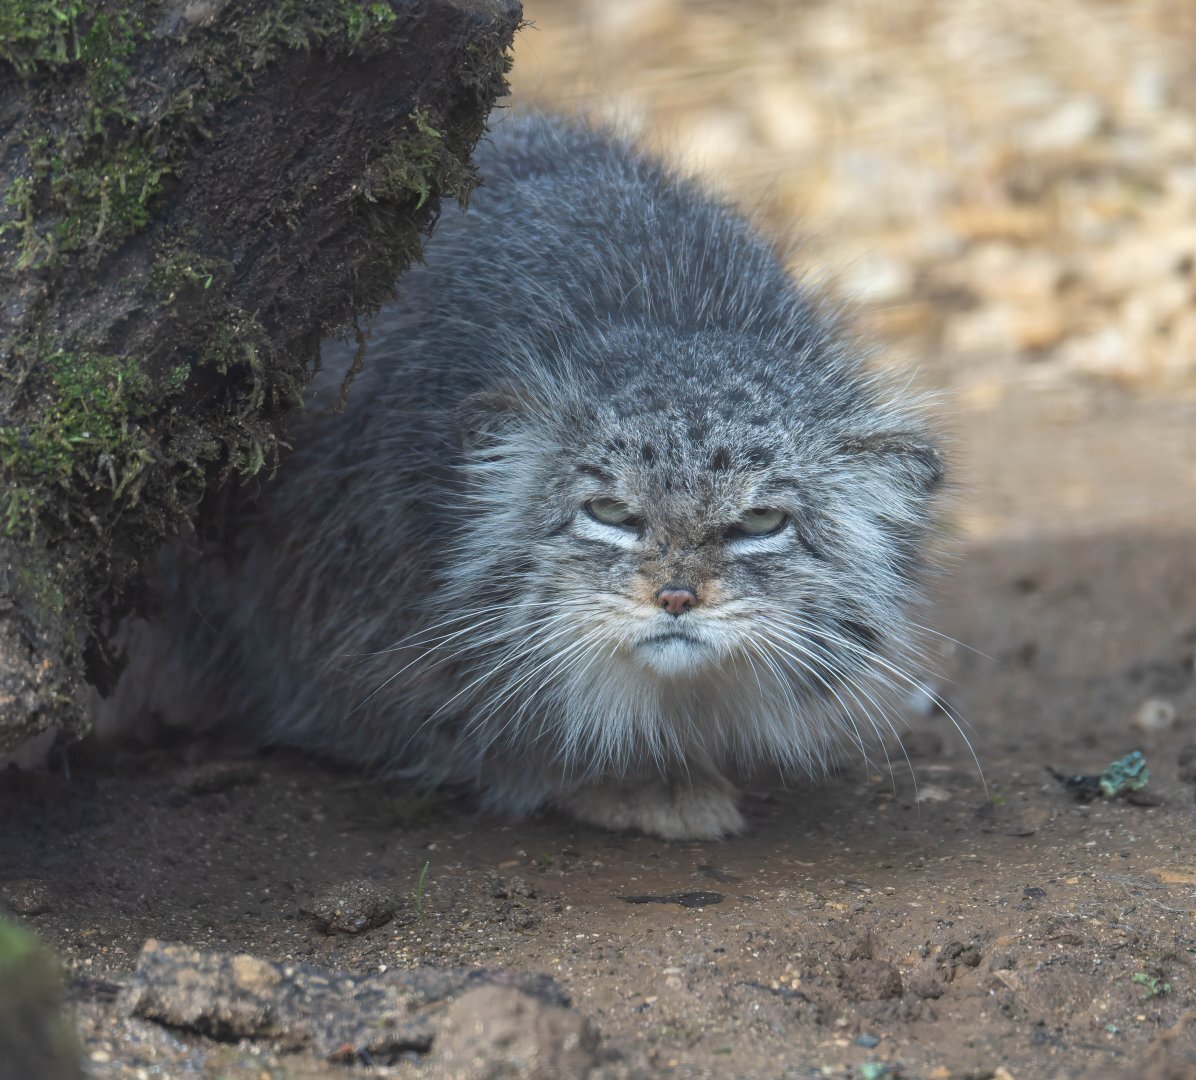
(917, 464)
(485, 417)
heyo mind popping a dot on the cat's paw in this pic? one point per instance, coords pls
(698, 809)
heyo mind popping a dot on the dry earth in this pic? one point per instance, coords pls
(1009, 192)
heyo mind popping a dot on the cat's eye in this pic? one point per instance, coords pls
(760, 521)
(612, 512)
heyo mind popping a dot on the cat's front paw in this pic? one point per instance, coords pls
(705, 808)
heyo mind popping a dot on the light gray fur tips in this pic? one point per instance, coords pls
(614, 513)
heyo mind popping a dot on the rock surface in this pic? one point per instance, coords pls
(193, 198)
(517, 1024)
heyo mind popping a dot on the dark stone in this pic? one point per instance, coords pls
(350, 907)
(686, 899)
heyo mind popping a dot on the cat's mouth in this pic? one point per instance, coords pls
(671, 636)
(673, 652)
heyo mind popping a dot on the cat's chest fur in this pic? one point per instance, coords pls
(615, 512)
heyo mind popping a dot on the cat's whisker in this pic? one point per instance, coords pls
(472, 646)
(469, 617)
(488, 707)
(954, 641)
(877, 661)
(527, 647)
(855, 688)
(845, 719)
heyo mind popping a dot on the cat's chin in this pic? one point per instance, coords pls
(674, 654)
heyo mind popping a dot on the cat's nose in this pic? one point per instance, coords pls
(676, 600)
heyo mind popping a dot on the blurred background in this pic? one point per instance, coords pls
(1006, 192)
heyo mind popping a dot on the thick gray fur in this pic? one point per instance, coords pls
(423, 592)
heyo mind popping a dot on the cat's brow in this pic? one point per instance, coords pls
(593, 470)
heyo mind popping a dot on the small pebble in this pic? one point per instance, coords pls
(350, 907)
(933, 793)
(1153, 715)
(26, 896)
(925, 982)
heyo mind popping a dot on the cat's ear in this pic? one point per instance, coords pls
(488, 417)
(914, 462)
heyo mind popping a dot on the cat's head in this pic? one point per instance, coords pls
(722, 519)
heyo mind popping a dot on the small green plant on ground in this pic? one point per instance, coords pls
(419, 890)
(1155, 987)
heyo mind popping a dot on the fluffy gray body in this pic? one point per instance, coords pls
(437, 585)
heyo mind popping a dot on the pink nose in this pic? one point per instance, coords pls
(676, 601)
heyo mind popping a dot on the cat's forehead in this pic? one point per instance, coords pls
(678, 466)
(684, 445)
(709, 415)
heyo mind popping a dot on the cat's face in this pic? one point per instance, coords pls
(688, 551)
(704, 529)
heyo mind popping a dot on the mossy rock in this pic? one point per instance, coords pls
(195, 193)
(37, 1041)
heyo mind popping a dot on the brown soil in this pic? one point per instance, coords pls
(942, 930)
(966, 933)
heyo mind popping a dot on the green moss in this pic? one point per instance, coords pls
(355, 26)
(49, 594)
(92, 185)
(19, 199)
(1155, 986)
(415, 164)
(103, 49)
(411, 166)
(228, 341)
(363, 20)
(16, 947)
(39, 32)
(182, 272)
(54, 33)
(37, 1039)
(86, 433)
(91, 180)
(109, 200)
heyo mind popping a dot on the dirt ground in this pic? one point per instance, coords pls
(940, 921)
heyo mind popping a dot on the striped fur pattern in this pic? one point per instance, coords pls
(423, 590)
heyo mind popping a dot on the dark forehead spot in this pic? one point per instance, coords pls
(759, 457)
(648, 453)
(616, 444)
(593, 470)
(696, 431)
(720, 459)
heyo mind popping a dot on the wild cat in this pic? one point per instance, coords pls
(615, 511)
